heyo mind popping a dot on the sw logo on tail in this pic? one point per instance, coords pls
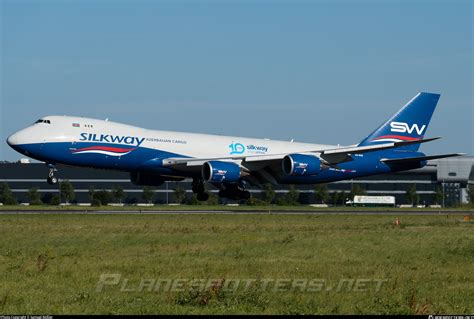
(402, 127)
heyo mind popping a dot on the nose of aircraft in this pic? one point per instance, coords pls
(17, 139)
(27, 141)
(12, 140)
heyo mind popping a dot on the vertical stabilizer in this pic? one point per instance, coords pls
(408, 124)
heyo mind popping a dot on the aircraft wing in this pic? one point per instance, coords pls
(330, 156)
(262, 168)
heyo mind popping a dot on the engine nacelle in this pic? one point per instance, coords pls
(150, 179)
(221, 172)
(301, 165)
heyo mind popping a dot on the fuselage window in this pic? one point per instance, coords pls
(43, 121)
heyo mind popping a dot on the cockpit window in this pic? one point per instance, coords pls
(43, 121)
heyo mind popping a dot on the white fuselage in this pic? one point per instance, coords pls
(67, 129)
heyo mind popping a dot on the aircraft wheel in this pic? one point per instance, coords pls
(198, 187)
(202, 197)
(52, 180)
(245, 195)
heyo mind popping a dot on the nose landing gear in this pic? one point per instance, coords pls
(51, 178)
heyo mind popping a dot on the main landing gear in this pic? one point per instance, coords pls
(52, 180)
(230, 191)
(234, 192)
(198, 188)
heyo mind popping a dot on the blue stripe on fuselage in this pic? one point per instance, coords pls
(63, 153)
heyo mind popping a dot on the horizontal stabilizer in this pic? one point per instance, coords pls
(341, 155)
(417, 159)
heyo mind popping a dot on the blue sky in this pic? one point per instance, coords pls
(313, 71)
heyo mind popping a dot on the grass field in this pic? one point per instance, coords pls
(53, 263)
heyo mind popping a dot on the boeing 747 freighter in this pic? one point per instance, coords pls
(227, 162)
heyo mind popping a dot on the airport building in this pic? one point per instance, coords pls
(451, 177)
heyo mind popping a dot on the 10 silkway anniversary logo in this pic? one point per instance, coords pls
(239, 148)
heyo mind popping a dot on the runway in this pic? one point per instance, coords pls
(229, 212)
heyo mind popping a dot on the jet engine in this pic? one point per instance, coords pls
(301, 165)
(221, 172)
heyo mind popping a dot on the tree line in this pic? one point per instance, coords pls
(267, 196)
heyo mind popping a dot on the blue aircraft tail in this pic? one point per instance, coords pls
(408, 124)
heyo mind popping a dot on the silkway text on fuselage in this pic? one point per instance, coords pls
(107, 138)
